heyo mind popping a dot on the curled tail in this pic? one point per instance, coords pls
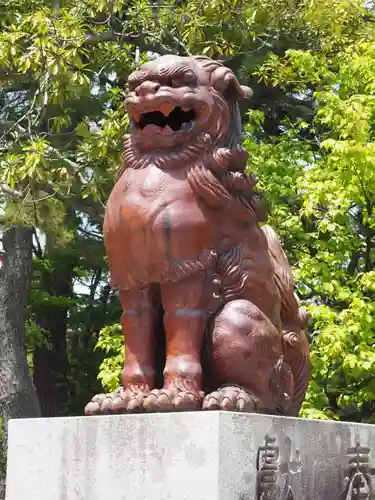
(291, 314)
(294, 320)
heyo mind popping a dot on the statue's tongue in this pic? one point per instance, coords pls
(154, 129)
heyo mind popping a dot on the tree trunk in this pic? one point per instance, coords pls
(51, 363)
(17, 393)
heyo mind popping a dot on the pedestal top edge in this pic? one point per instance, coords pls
(200, 415)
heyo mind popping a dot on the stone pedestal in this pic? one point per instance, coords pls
(188, 456)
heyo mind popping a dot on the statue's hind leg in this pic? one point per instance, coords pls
(247, 363)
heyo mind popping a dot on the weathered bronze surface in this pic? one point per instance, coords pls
(210, 318)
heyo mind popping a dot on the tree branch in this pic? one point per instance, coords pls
(38, 249)
(110, 36)
(95, 282)
(8, 126)
(181, 44)
(89, 205)
(5, 125)
(12, 193)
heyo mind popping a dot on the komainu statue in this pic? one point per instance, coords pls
(210, 319)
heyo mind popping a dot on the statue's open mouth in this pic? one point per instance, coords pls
(166, 120)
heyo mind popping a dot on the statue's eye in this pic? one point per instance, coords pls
(189, 78)
(175, 83)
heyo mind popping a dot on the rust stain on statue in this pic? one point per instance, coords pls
(183, 237)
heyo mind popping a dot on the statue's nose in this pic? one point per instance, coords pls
(147, 88)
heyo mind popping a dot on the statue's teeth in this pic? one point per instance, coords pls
(167, 130)
(135, 114)
(166, 108)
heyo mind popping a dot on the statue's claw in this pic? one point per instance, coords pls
(119, 401)
(231, 398)
(173, 400)
(92, 408)
(239, 157)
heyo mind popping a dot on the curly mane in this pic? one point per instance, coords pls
(233, 135)
(219, 182)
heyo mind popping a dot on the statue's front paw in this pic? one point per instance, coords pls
(231, 398)
(173, 399)
(119, 401)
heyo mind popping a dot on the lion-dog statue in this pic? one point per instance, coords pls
(210, 318)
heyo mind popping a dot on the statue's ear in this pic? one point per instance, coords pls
(225, 81)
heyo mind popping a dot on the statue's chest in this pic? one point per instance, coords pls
(150, 198)
(152, 215)
(151, 185)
